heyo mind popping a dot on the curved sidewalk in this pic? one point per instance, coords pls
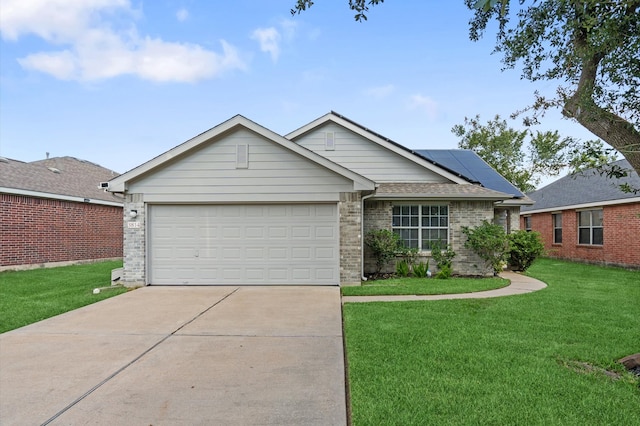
(520, 284)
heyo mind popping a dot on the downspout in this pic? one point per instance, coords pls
(362, 236)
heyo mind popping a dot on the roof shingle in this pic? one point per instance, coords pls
(67, 176)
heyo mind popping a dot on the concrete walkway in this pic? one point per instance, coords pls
(520, 284)
(181, 356)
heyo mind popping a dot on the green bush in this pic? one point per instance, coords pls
(444, 259)
(383, 244)
(402, 268)
(420, 269)
(489, 241)
(524, 248)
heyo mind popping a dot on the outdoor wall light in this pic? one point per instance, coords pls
(133, 213)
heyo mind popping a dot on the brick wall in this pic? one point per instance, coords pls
(377, 215)
(134, 242)
(621, 236)
(38, 231)
(350, 238)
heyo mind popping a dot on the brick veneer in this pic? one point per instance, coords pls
(134, 242)
(38, 231)
(377, 215)
(350, 239)
(621, 236)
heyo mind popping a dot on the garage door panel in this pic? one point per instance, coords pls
(250, 244)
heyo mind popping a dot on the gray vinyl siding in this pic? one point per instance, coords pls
(210, 175)
(366, 158)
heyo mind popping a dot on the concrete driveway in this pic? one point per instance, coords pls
(181, 356)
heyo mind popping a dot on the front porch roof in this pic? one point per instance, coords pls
(439, 191)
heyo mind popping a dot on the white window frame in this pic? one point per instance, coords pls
(591, 227)
(420, 216)
(555, 227)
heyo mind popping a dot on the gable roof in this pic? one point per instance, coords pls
(387, 143)
(471, 165)
(585, 189)
(119, 183)
(66, 178)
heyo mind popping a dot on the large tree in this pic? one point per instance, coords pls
(524, 156)
(589, 48)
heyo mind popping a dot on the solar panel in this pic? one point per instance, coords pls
(470, 165)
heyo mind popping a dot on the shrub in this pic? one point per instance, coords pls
(420, 269)
(444, 259)
(524, 248)
(489, 241)
(383, 244)
(402, 268)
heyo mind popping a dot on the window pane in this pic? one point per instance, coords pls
(395, 221)
(597, 236)
(414, 220)
(557, 220)
(414, 210)
(444, 210)
(557, 236)
(405, 210)
(584, 234)
(434, 210)
(396, 210)
(597, 217)
(434, 222)
(443, 221)
(584, 218)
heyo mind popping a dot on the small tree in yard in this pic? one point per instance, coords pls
(524, 248)
(489, 241)
(384, 245)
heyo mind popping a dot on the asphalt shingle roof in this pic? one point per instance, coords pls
(584, 188)
(59, 176)
(436, 190)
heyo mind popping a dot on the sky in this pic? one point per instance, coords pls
(118, 82)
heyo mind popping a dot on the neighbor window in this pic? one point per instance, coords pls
(590, 227)
(557, 228)
(419, 226)
(527, 223)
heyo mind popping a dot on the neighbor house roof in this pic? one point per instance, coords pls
(585, 189)
(65, 178)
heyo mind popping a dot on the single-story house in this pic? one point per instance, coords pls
(53, 213)
(587, 217)
(240, 204)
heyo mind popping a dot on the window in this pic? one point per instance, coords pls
(527, 223)
(419, 226)
(590, 227)
(557, 228)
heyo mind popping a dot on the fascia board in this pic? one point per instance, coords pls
(583, 206)
(38, 194)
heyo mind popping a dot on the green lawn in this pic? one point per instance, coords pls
(30, 296)
(424, 286)
(517, 360)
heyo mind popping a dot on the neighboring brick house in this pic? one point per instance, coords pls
(54, 213)
(241, 205)
(587, 217)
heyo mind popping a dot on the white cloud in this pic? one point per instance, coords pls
(182, 14)
(269, 39)
(380, 91)
(94, 50)
(424, 104)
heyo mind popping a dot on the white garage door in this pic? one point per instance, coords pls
(243, 244)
